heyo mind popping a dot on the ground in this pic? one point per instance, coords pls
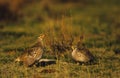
(98, 22)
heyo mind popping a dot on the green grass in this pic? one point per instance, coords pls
(98, 23)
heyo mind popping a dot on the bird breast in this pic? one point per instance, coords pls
(79, 56)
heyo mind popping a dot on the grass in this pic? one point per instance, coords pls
(63, 24)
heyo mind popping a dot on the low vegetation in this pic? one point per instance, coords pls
(63, 23)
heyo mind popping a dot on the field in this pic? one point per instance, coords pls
(63, 23)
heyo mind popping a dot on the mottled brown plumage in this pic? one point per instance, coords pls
(32, 54)
(82, 55)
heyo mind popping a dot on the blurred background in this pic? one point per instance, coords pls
(63, 22)
(98, 21)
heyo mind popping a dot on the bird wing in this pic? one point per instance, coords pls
(38, 53)
(88, 53)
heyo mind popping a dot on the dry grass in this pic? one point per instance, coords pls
(98, 23)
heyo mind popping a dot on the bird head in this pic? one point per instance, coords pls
(73, 47)
(17, 59)
(41, 37)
